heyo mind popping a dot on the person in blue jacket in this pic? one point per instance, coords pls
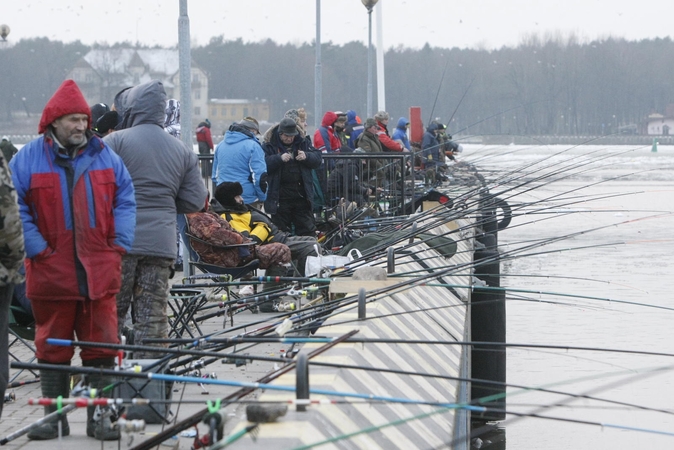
(354, 128)
(78, 209)
(239, 157)
(400, 133)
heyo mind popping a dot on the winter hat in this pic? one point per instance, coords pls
(105, 123)
(67, 99)
(98, 110)
(5, 138)
(293, 114)
(288, 127)
(226, 191)
(370, 123)
(250, 124)
(381, 115)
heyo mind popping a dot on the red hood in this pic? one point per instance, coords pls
(328, 119)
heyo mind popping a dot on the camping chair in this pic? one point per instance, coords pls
(186, 302)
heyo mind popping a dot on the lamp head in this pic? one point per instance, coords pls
(369, 4)
(4, 31)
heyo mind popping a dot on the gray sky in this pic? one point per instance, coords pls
(410, 23)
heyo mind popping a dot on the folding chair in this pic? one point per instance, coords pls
(184, 304)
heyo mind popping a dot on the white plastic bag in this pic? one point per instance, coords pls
(314, 264)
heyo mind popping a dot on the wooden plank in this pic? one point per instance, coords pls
(351, 286)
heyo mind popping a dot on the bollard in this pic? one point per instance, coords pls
(302, 381)
(390, 260)
(361, 304)
(414, 231)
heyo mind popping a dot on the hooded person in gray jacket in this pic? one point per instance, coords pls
(167, 181)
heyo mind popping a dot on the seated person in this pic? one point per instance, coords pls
(346, 181)
(256, 225)
(216, 232)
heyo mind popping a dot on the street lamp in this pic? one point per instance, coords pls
(369, 4)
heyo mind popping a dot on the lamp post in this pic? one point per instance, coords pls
(369, 4)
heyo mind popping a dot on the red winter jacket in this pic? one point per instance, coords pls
(386, 141)
(204, 135)
(326, 131)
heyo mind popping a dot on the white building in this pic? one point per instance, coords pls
(102, 73)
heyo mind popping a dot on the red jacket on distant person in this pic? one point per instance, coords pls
(326, 133)
(204, 135)
(386, 141)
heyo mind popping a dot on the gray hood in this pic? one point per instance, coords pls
(142, 104)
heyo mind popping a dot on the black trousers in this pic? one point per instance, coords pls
(295, 212)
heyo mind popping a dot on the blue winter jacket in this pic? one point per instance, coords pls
(400, 132)
(239, 157)
(91, 219)
(353, 128)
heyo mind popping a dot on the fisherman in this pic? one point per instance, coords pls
(400, 133)
(166, 178)
(240, 158)
(205, 143)
(369, 143)
(290, 160)
(78, 211)
(388, 144)
(340, 129)
(354, 128)
(103, 120)
(259, 227)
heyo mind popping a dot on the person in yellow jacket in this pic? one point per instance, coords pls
(256, 225)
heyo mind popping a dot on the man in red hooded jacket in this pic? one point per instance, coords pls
(78, 209)
(382, 118)
(324, 137)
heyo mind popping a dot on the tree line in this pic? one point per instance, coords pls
(545, 85)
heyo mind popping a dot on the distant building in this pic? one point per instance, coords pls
(102, 73)
(224, 112)
(659, 125)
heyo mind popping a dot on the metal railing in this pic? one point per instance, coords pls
(380, 179)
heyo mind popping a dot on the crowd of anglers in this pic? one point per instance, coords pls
(92, 207)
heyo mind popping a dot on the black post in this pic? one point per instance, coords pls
(488, 317)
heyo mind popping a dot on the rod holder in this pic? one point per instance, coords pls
(414, 231)
(390, 260)
(302, 380)
(361, 304)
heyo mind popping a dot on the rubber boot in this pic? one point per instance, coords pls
(99, 425)
(53, 384)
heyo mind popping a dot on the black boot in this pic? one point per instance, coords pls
(53, 384)
(99, 423)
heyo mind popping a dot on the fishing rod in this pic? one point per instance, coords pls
(437, 94)
(148, 348)
(261, 385)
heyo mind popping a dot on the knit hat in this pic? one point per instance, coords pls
(226, 191)
(288, 127)
(67, 99)
(381, 115)
(370, 122)
(293, 114)
(5, 138)
(251, 125)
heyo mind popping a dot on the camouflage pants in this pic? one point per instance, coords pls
(144, 289)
